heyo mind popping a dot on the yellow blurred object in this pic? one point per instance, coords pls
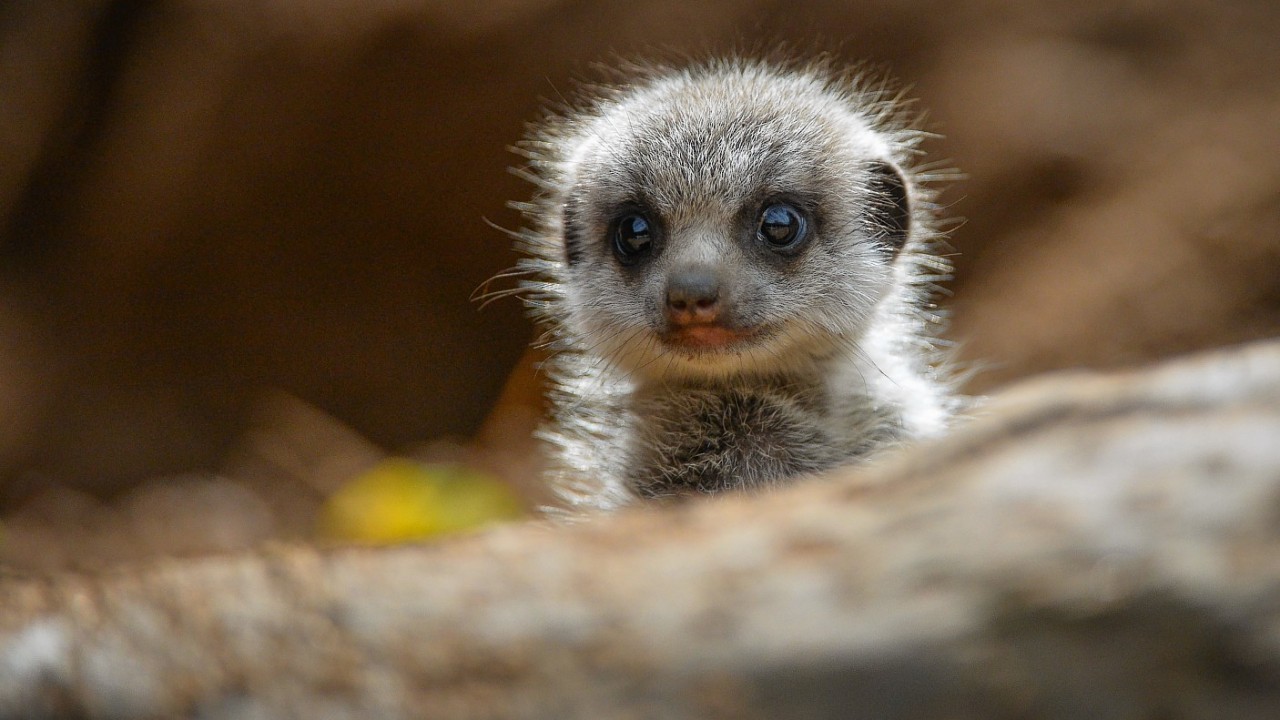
(400, 499)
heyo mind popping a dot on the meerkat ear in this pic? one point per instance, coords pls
(570, 232)
(890, 208)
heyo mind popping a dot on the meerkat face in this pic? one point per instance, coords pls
(727, 224)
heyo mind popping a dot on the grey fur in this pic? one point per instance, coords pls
(842, 361)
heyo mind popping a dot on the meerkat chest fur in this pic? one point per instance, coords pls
(733, 263)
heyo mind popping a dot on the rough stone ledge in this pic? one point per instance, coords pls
(1090, 547)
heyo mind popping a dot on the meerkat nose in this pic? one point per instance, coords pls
(693, 296)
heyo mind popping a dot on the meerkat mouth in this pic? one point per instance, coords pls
(709, 338)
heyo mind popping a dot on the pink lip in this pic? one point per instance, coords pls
(705, 337)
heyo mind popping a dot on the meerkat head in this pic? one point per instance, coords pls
(730, 219)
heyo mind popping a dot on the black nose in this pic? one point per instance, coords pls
(693, 296)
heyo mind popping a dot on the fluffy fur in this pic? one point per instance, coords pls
(836, 358)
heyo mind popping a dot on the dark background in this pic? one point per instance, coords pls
(206, 207)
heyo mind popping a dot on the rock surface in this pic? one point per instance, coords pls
(1092, 546)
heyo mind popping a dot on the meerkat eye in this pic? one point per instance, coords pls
(782, 226)
(632, 237)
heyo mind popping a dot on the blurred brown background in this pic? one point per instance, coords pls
(205, 203)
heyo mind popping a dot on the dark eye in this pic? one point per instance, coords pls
(632, 237)
(782, 226)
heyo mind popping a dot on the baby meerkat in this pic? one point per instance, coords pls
(733, 263)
